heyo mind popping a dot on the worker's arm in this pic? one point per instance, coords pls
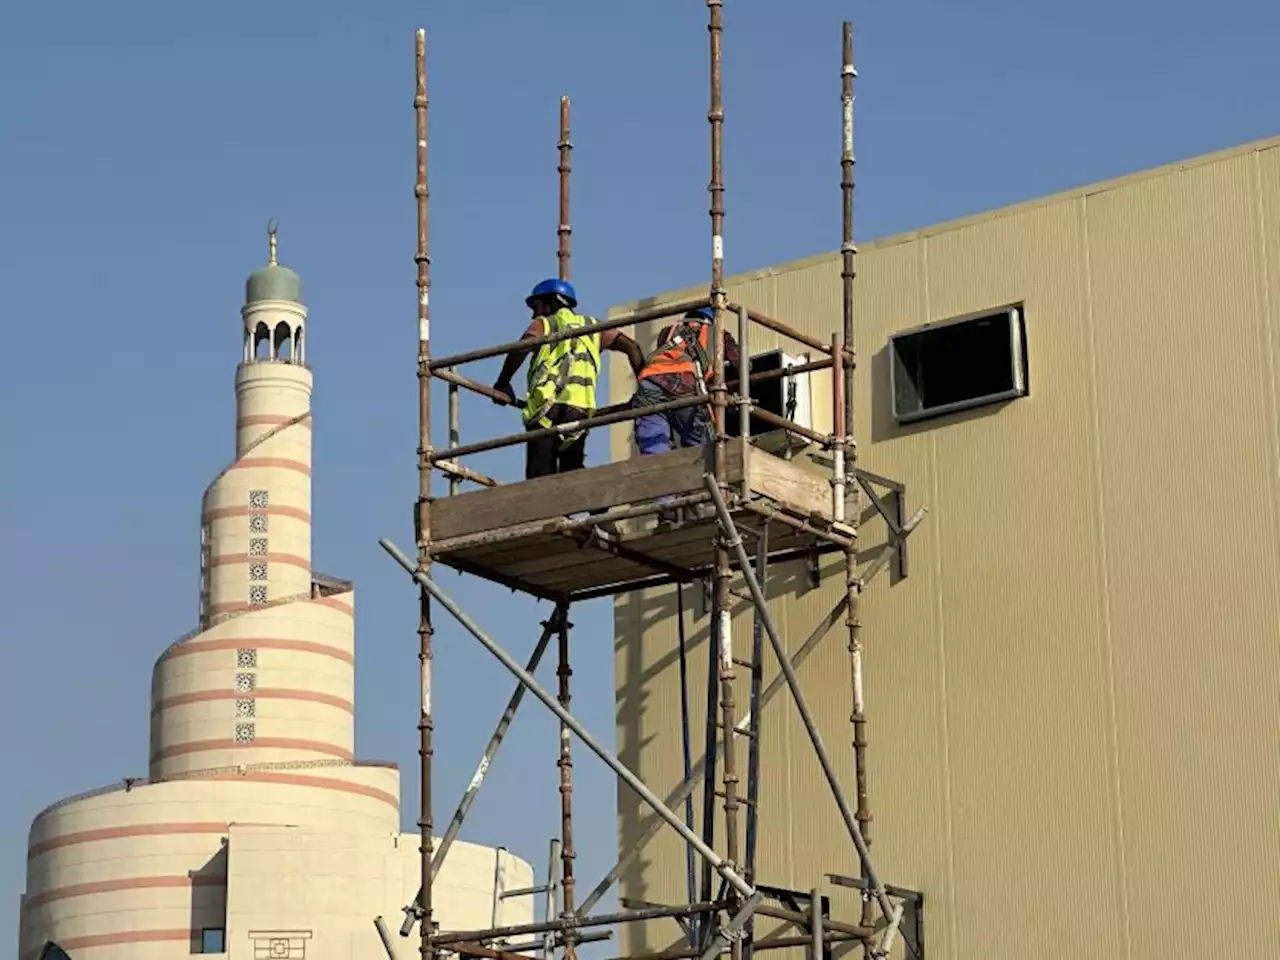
(615, 340)
(511, 366)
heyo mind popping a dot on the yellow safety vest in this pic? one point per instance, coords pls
(563, 372)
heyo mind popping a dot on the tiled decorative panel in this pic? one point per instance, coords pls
(247, 658)
(244, 733)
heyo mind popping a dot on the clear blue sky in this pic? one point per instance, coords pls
(144, 145)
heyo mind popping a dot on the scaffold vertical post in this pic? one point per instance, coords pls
(853, 584)
(721, 614)
(753, 726)
(455, 431)
(564, 669)
(564, 229)
(565, 762)
(744, 396)
(839, 389)
(423, 519)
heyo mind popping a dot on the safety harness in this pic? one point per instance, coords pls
(687, 337)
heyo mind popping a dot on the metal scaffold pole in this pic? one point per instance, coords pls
(423, 517)
(853, 583)
(565, 764)
(564, 230)
(564, 670)
(720, 612)
(517, 535)
(797, 694)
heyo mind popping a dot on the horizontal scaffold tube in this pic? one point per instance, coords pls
(622, 320)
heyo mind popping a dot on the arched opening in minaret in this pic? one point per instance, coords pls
(298, 355)
(262, 342)
(283, 343)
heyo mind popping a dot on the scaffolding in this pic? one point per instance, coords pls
(592, 533)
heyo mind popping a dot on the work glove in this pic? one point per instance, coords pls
(506, 391)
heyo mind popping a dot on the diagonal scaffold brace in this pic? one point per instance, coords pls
(551, 627)
(892, 912)
(748, 897)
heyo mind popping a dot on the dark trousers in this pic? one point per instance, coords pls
(548, 455)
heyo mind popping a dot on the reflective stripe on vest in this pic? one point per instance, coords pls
(563, 372)
(684, 351)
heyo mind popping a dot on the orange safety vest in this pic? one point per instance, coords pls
(681, 347)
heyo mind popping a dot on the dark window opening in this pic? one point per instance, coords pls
(51, 951)
(213, 940)
(958, 365)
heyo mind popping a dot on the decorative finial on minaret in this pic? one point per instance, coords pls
(271, 242)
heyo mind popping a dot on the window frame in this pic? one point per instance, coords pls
(222, 934)
(1017, 350)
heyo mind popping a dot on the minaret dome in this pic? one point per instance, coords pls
(273, 313)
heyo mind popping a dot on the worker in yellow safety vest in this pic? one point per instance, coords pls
(562, 377)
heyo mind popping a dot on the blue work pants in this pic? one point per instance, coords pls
(654, 431)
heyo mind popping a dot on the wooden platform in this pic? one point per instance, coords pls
(522, 535)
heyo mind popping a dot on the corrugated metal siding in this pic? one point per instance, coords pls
(1074, 700)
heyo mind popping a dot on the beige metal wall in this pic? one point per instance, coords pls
(1074, 699)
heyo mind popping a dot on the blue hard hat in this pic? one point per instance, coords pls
(702, 313)
(553, 288)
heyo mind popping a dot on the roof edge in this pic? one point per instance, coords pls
(960, 223)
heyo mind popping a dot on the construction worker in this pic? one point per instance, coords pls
(678, 368)
(562, 377)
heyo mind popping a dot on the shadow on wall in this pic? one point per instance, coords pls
(644, 652)
(209, 904)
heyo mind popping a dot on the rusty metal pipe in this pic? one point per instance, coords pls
(573, 427)
(686, 789)
(838, 429)
(565, 764)
(456, 471)
(722, 629)
(777, 326)
(643, 315)
(791, 426)
(426, 722)
(455, 378)
(773, 943)
(721, 866)
(577, 923)
(853, 584)
(455, 433)
(763, 376)
(490, 753)
(565, 228)
(797, 694)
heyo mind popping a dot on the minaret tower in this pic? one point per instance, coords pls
(256, 828)
(270, 677)
(257, 530)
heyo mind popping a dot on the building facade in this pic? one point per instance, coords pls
(1074, 695)
(257, 833)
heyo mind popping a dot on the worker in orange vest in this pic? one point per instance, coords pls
(678, 368)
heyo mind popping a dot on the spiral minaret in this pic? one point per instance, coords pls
(256, 829)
